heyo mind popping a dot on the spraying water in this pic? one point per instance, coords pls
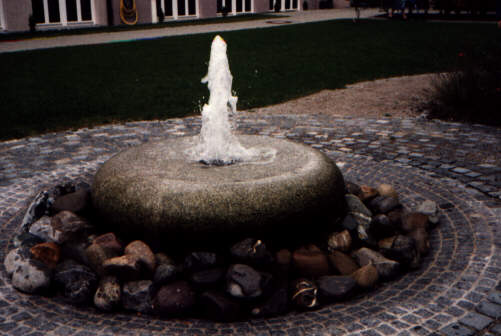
(218, 144)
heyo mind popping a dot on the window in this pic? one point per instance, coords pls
(167, 7)
(55, 11)
(38, 11)
(54, 15)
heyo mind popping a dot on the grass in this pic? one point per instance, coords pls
(57, 89)
(121, 28)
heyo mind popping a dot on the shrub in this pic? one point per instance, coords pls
(472, 91)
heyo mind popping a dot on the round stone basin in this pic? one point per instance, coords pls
(156, 192)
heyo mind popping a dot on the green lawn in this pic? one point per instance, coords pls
(62, 88)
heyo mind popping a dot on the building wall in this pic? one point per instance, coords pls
(207, 9)
(341, 3)
(261, 6)
(143, 11)
(17, 14)
(101, 13)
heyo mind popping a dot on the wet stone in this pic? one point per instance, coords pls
(207, 278)
(31, 276)
(386, 268)
(108, 293)
(343, 263)
(126, 267)
(383, 204)
(243, 281)
(77, 281)
(136, 296)
(165, 273)
(366, 277)
(310, 261)
(340, 241)
(277, 304)
(174, 299)
(77, 202)
(199, 261)
(251, 251)
(142, 253)
(335, 287)
(219, 307)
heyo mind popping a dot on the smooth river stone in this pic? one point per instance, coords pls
(155, 191)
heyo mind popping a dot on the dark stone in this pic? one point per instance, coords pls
(108, 294)
(77, 202)
(353, 188)
(395, 217)
(340, 241)
(126, 267)
(251, 252)
(165, 273)
(349, 222)
(335, 287)
(386, 268)
(37, 208)
(243, 281)
(383, 204)
(199, 261)
(207, 278)
(136, 296)
(277, 304)
(68, 226)
(310, 261)
(76, 249)
(382, 226)
(304, 294)
(219, 307)
(174, 299)
(403, 249)
(26, 239)
(77, 281)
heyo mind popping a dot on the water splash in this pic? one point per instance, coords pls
(218, 144)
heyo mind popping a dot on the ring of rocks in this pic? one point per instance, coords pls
(460, 271)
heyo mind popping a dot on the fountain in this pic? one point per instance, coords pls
(242, 226)
(219, 185)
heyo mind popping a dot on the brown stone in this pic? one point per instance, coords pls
(343, 263)
(125, 267)
(48, 253)
(420, 236)
(386, 268)
(143, 253)
(367, 193)
(174, 299)
(387, 190)
(109, 241)
(283, 259)
(97, 254)
(395, 217)
(340, 241)
(366, 276)
(386, 243)
(310, 261)
(414, 220)
(67, 226)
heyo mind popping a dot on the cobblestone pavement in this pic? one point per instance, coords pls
(87, 39)
(457, 291)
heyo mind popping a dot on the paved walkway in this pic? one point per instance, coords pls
(457, 291)
(98, 38)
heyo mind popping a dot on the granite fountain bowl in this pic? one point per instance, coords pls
(154, 191)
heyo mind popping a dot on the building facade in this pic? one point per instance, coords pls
(20, 15)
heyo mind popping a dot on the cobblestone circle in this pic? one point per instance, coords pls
(457, 291)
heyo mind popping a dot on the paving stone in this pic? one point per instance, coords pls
(456, 329)
(476, 321)
(490, 309)
(450, 285)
